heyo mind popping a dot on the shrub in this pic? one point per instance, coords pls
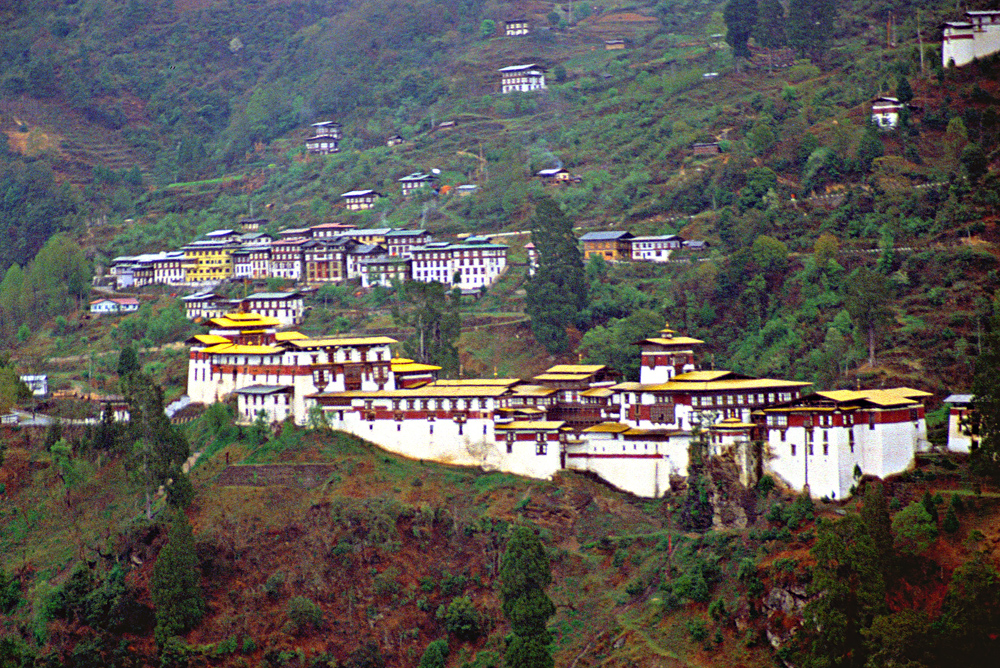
(304, 613)
(697, 629)
(462, 619)
(436, 654)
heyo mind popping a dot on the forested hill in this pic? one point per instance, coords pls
(185, 115)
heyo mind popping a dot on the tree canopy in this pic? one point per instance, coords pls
(524, 575)
(557, 293)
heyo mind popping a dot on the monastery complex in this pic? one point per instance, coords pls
(634, 435)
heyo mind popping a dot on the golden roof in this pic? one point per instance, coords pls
(735, 384)
(355, 341)
(244, 321)
(432, 391)
(889, 397)
(598, 392)
(478, 382)
(563, 376)
(410, 366)
(731, 423)
(673, 341)
(701, 375)
(608, 428)
(290, 336)
(533, 391)
(236, 349)
(530, 424)
(210, 339)
(576, 368)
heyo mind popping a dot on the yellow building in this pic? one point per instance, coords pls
(208, 261)
(612, 246)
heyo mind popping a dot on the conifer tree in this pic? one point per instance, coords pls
(524, 575)
(174, 585)
(557, 293)
(985, 454)
(740, 17)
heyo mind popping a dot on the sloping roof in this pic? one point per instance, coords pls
(702, 376)
(562, 376)
(483, 382)
(576, 368)
(610, 235)
(360, 193)
(533, 391)
(529, 424)
(345, 342)
(598, 392)
(290, 336)
(550, 172)
(409, 366)
(272, 295)
(960, 399)
(209, 339)
(673, 341)
(235, 349)
(521, 68)
(244, 321)
(608, 428)
(264, 389)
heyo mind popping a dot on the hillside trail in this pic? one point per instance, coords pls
(631, 627)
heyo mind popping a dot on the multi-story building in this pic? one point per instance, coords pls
(522, 78)
(977, 36)
(401, 242)
(325, 139)
(243, 350)
(325, 260)
(613, 245)
(286, 257)
(826, 441)
(209, 261)
(285, 307)
(654, 249)
(413, 182)
(516, 27)
(360, 200)
(386, 270)
(470, 266)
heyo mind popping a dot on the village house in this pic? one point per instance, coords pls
(285, 307)
(963, 428)
(516, 27)
(977, 36)
(330, 230)
(273, 402)
(705, 148)
(252, 224)
(654, 249)
(38, 383)
(395, 140)
(614, 44)
(116, 305)
(386, 271)
(400, 242)
(360, 254)
(325, 139)
(469, 266)
(375, 235)
(360, 200)
(325, 260)
(415, 181)
(208, 261)
(554, 175)
(205, 305)
(611, 245)
(286, 257)
(885, 112)
(826, 441)
(522, 78)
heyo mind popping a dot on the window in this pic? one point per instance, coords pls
(871, 420)
(541, 447)
(793, 445)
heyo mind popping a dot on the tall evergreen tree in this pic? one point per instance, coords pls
(868, 305)
(557, 293)
(770, 28)
(433, 314)
(810, 26)
(159, 449)
(524, 575)
(174, 585)
(740, 17)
